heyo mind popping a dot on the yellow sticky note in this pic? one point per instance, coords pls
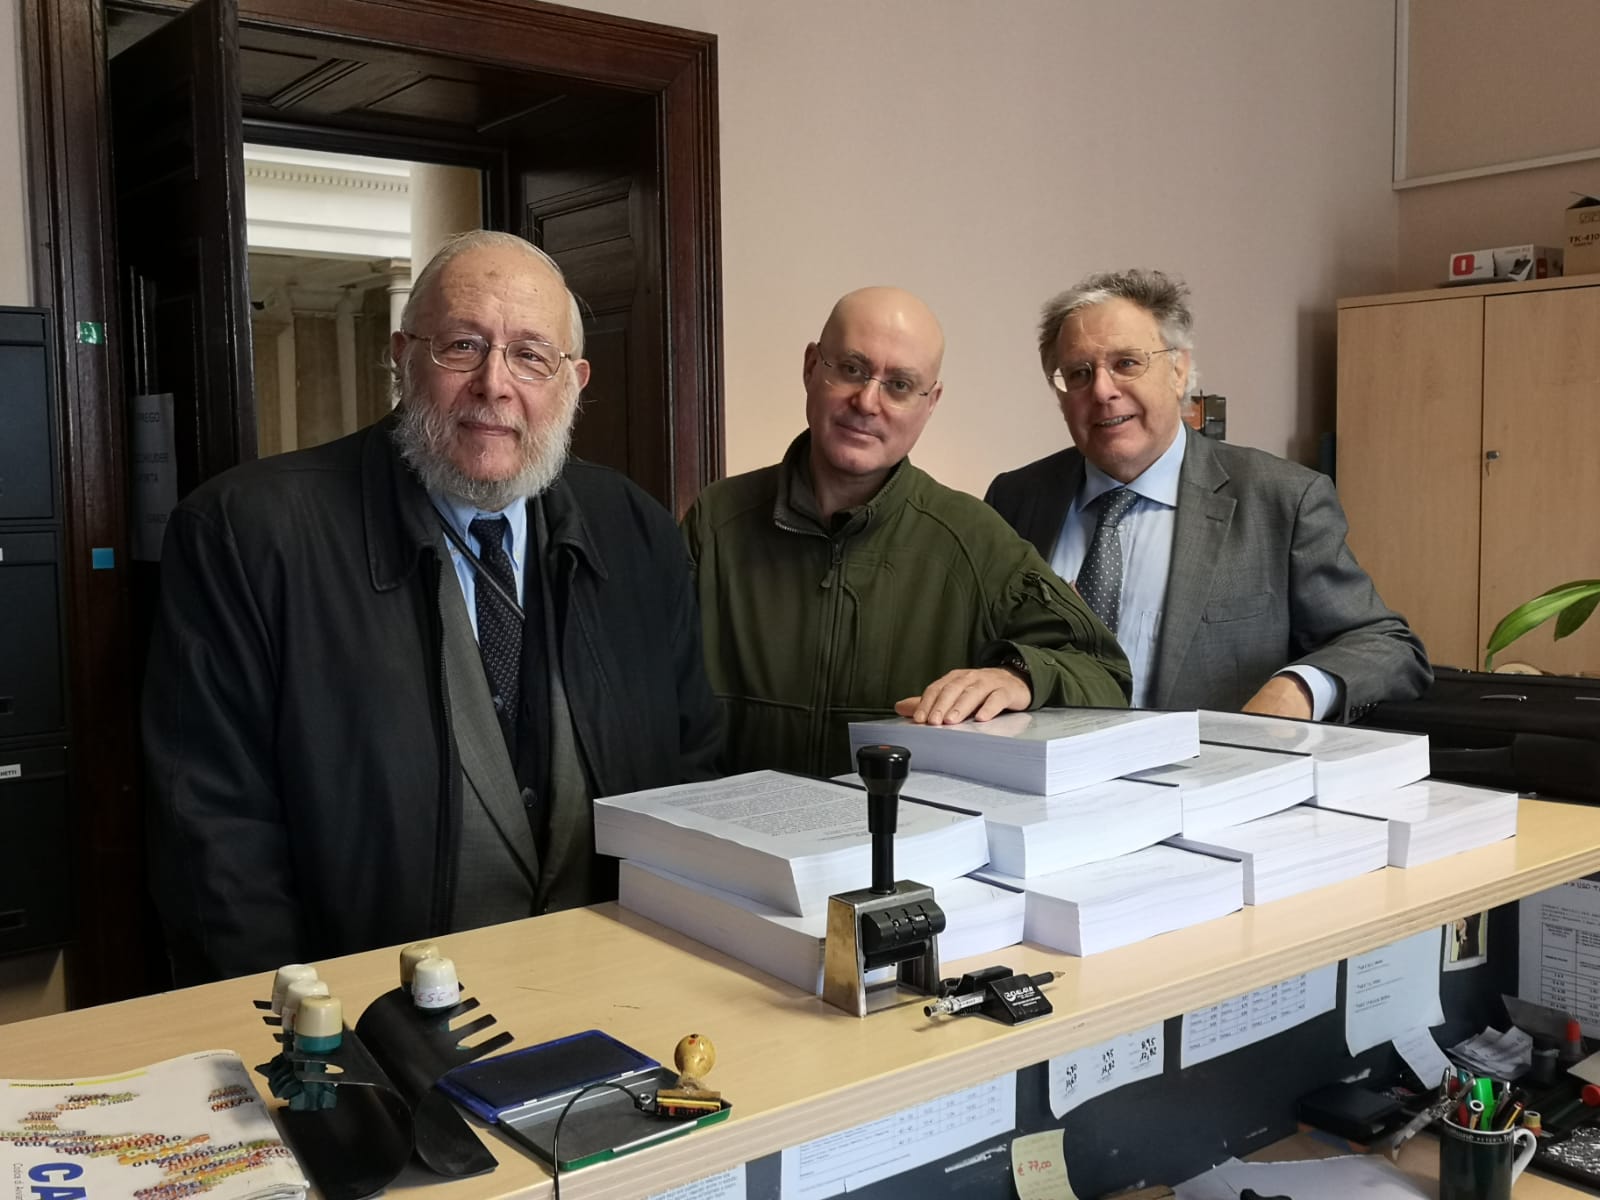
(1039, 1167)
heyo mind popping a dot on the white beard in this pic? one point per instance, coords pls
(424, 435)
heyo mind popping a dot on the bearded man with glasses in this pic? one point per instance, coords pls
(845, 584)
(390, 673)
(1222, 570)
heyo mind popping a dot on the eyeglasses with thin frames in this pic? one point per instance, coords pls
(1123, 365)
(527, 358)
(847, 373)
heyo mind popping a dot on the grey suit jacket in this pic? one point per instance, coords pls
(1261, 579)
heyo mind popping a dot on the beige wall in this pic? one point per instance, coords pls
(986, 155)
(16, 278)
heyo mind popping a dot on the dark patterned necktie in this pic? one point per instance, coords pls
(1100, 577)
(499, 626)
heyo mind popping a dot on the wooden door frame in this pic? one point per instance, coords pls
(74, 252)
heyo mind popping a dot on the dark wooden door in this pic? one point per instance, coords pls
(587, 194)
(177, 159)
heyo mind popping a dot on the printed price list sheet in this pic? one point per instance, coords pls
(1212, 1032)
(909, 1138)
(1559, 949)
(1079, 1077)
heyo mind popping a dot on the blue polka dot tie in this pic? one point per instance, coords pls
(1100, 577)
(499, 627)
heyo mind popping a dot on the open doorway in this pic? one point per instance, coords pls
(594, 135)
(333, 243)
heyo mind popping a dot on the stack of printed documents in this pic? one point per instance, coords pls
(788, 841)
(1347, 761)
(1102, 905)
(1034, 835)
(1296, 850)
(1229, 785)
(1046, 751)
(980, 919)
(1432, 819)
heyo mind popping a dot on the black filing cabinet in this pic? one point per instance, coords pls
(36, 856)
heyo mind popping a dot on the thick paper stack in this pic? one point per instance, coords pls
(1034, 835)
(980, 919)
(1296, 850)
(788, 841)
(1046, 751)
(1102, 905)
(1229, 785)
(1432, 819)
(1348, 761)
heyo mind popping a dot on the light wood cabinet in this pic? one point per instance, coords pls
(1469, 457)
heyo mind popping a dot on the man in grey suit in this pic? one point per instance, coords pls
(1223, 570)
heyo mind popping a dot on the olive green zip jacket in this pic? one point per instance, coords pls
(810, 627)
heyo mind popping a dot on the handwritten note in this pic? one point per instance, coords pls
(1039, 1167)
(1390, 991)
(1212, 1032)
(1095, 1070)
(1422, 1055)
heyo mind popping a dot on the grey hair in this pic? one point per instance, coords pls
(1164, 297)
(472, 240)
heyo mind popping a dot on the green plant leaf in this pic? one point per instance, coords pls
(1581, 595)
(1576, 614)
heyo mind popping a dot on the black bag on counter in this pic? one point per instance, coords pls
(1535, 734)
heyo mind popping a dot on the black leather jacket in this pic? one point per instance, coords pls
(306, 800)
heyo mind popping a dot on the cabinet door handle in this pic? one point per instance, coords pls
(1490, 457)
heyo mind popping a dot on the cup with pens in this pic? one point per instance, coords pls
(1482, 1146)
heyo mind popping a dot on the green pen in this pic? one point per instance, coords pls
(1483, 1089)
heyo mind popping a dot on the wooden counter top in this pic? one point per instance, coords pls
(793, 1067)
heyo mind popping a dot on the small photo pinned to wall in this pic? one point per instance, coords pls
(1466, 942)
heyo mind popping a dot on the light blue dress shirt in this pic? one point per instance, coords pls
(461, 517)
(1147, 532)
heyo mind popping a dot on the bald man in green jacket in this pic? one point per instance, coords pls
(835, 585)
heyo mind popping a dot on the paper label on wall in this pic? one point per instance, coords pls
(153, 473)
(1212, 1032)
(1095, 1070)
(1392, 990)
(725, 1185)
(1558, 949)
(909, 1138)
(1423, 1056)
(1039, 1167)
